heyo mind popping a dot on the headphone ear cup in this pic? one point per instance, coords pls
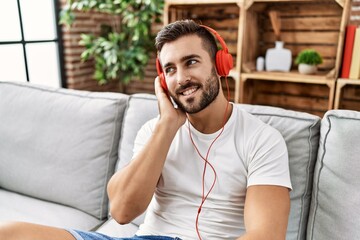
(163, 82)
(161, 75)
(224, 63)
(158, 67)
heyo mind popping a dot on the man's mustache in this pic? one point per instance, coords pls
(180, 89)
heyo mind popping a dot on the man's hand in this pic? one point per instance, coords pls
(168, 114)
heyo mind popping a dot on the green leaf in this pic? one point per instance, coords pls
(309, 56)
(123, 54)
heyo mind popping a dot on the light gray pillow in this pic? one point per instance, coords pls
(301, 133)
(59, 145)
(335, 204)
(141, 108)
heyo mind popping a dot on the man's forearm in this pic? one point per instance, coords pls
(131, 189)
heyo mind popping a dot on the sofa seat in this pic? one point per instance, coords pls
(17, 207)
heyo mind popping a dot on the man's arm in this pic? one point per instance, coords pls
(131, 189)
(266, 212)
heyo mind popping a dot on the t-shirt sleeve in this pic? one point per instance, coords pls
(268, 162)
(143, 136)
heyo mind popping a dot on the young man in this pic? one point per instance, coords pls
(204, 170)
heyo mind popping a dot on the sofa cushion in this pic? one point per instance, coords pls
(301, 134)
(141, 108)
(59, 145)
(17, 207)
(335, 208)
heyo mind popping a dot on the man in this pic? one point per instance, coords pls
(204, 170)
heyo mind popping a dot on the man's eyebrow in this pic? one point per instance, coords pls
(187, 57)
(183, 59)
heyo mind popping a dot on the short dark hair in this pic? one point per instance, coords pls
(182, 28)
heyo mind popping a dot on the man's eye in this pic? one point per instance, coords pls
(191, 62)
(169, 70)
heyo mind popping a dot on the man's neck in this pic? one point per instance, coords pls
(213, 117)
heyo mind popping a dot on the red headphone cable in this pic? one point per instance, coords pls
(206, 162)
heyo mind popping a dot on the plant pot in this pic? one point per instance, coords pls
(307, 69)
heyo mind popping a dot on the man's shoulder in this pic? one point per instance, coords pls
(252, 122)
(244, 115)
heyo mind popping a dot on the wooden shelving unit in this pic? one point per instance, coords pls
(304, 24)
(341, 83)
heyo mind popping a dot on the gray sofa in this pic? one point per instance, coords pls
(59, 147)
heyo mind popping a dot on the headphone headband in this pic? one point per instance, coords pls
(218, 37)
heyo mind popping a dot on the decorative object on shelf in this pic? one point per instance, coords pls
(260, 64)
(275, 23)
(348, 50)
(278, 58)
(308, 59)
(355, 58)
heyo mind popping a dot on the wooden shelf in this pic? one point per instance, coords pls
(340, 83)
(292, 76)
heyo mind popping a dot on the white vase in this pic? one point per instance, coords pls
(260, 64)
(307, 68)
(278, 58)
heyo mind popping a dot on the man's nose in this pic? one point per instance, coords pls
(183, 76)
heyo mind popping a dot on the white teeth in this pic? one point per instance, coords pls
(188, 92)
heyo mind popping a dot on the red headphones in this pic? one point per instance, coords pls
(223, 61)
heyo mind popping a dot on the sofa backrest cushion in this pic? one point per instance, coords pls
(335, 209)
(141, 108)
(301, 133)
(59, 145)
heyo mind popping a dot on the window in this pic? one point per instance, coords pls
(29, 42)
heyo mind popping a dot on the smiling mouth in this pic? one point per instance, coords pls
(189, 91)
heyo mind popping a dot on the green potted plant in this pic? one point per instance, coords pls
(308, 60)
(123, 51)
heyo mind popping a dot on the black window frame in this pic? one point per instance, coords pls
(57, 39)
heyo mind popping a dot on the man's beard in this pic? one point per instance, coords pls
(210, 89)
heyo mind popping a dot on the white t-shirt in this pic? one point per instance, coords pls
(248, 152)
